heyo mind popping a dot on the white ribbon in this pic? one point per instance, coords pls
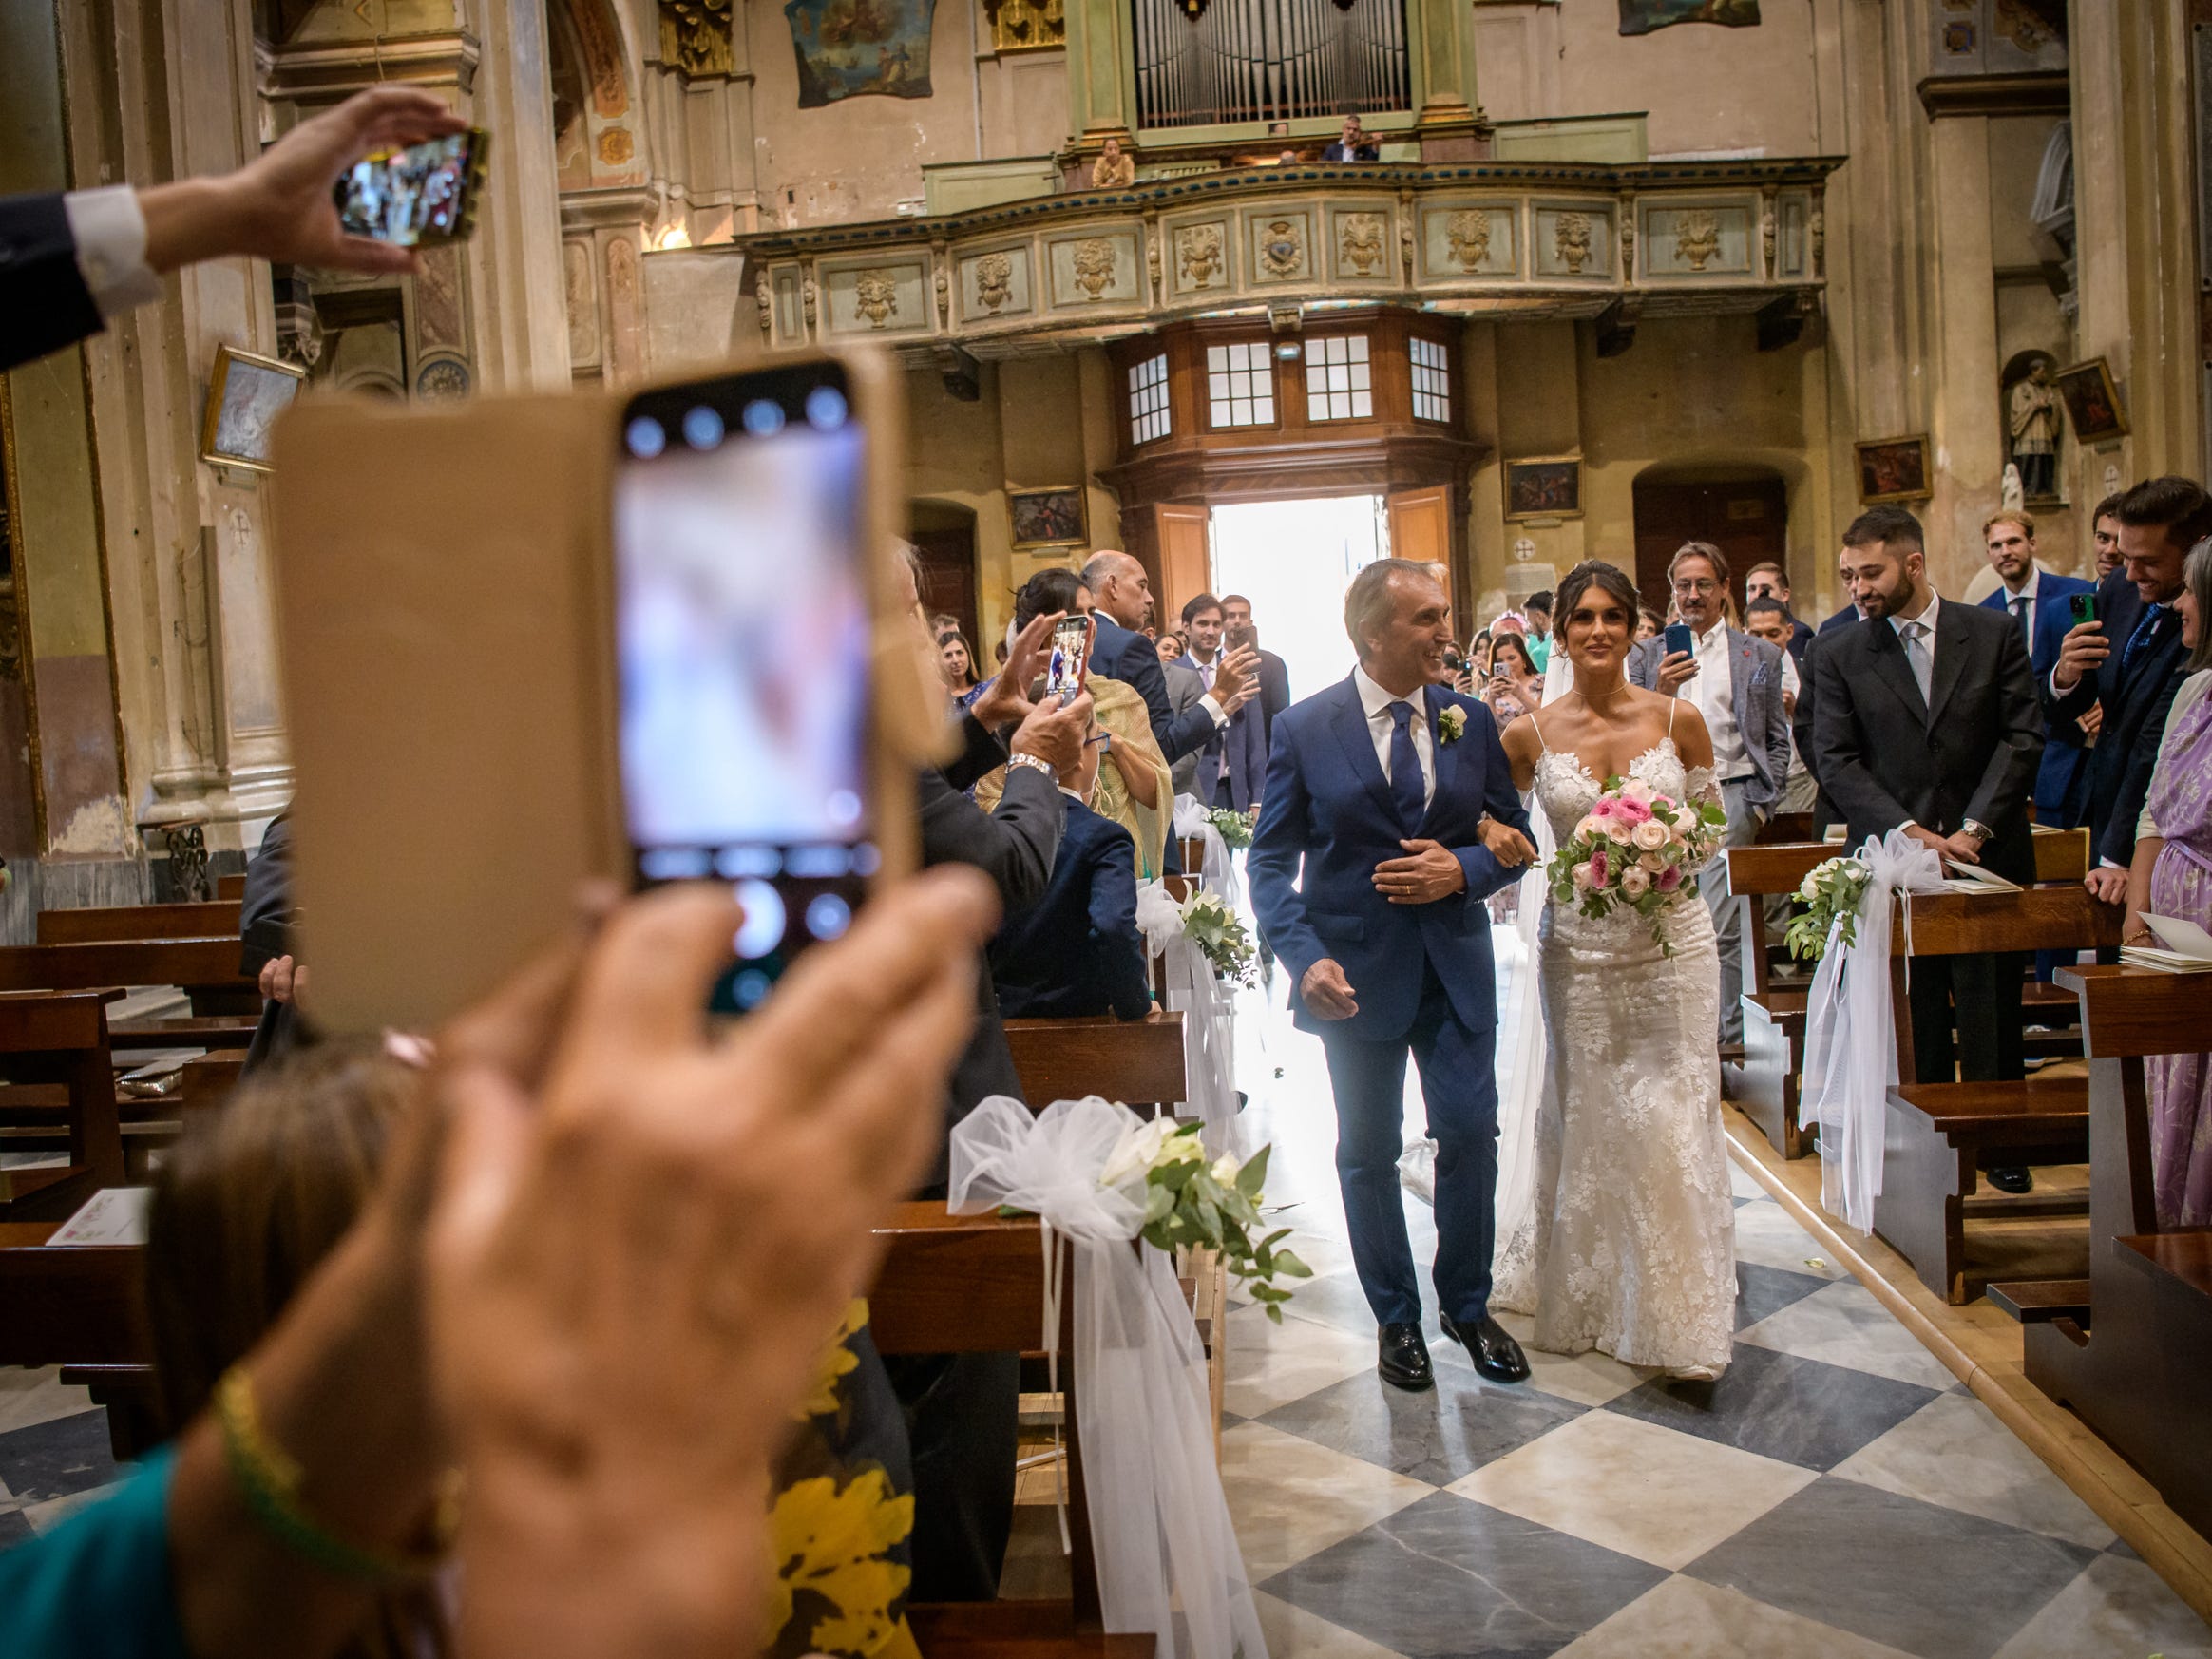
(1851, 1048)
(1168, 1557)
(1194, 990)
(1216, 869)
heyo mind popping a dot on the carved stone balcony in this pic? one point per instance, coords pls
(1547, 240)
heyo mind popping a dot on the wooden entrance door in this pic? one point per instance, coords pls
(1747, 519)
(949, 581)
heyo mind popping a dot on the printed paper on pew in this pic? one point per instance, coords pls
(1973, 878)
(113, 1215)
(2182, 937)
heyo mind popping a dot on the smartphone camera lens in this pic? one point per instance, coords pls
(749, 989)
(762, 929)
(764, 417)
(825, 408)
(702, 427)
(828, 917)
(646, 438)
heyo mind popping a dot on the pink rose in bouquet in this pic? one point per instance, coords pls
(1635, 850)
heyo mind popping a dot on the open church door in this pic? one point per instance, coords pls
(1420, 529)
(1184, 539)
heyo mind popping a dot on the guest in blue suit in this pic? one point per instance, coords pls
(1369, 872)
(1077, 950)
(1121, 600)
(2040, 602)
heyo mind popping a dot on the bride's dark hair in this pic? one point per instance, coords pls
(1595, 573)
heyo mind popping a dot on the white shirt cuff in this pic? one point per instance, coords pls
(110, 233)
(2109, 864)
(1212, 706)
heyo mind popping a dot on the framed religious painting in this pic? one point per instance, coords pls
(1544, 487)
(2092, 402)
(1895, 470)
(1045, 518)
(245, 395)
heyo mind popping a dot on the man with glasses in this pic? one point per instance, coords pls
(1737, 683)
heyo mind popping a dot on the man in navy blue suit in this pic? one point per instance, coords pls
(1369, 872)
(2129, 662)
(1077, 950)
(1121, 600)
(2041, 603)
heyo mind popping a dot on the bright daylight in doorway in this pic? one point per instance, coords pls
(1293, 560)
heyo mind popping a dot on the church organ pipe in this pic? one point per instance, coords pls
(1268, 60)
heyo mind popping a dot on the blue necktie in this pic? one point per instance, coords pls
(2019, 605)
(2141, 638)
(1406, 781)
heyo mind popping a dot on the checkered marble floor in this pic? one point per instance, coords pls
(1838, 1493)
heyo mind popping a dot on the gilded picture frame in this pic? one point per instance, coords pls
(245, 395)
(1895, 470)
(1046, 518)
(2092, 401)
(1543, 487)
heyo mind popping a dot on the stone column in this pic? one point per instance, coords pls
(1967, 441)
(1101, 71)
(514, 267)
(1443, 88)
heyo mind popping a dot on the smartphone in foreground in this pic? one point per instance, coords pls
(1070, 662)
(2085, 606)
(421, 197)
(742, 654)
(1679, 637)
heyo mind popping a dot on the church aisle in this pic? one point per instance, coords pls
(1837, 1494)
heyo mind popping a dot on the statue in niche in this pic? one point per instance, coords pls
(1112, 170)
(2031, 427)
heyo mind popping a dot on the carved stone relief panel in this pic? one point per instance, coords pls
(887, 297)
(1199, 259)
(1793, 260)
(1700, 239)
(1363, 247)
(996, 283)
(1094, 267)
(790, 318)
(1573, 240)
(1464, 240)
(1279, 241)
(583, 293)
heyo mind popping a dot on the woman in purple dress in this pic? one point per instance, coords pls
(2172, 876)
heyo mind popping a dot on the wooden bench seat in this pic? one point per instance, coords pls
(206, 969)
(1122, 1059)
(213, 919)
(2040, 1301)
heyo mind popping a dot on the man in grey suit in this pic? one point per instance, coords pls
(1184, 688)
(1736, 682)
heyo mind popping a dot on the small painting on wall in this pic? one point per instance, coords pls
(1643, 16)
(1045, 518)
(2092, 402)
(1893, 470)
(1545, 487)
(850, 48)
(245, 395)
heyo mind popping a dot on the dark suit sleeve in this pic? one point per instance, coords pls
(1843, 770)
(42, 296)
(1485, 874)
(981, 755)
(1013, 846)
(2069, 707)
(265, 913)
(1272, 866)
(2008, 776)
(1643, 663)
(2117, 843)
(1801, 721)
(1118, 946)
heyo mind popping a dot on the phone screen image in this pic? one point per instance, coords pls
(425, 194)
(742, 642)
(1069, 659)
(1680, 638)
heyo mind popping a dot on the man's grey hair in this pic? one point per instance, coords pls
(1367, 601)
(1101, 565)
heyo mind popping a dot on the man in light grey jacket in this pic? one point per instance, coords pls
(1735, 681)
(1184, 688)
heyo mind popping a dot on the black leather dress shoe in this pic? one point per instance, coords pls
(2011, 1178)
(1402, 1357)
(1497, 1356)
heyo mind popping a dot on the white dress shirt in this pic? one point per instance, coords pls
(1383, 726)
(1714, 690)
(109, 229)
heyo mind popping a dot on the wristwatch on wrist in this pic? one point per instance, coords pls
(1979, 831)
(1035, 762)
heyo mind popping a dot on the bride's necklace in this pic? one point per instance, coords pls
(1593, 703)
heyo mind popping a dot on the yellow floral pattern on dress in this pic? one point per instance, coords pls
(838, 1362)
(833, 1541)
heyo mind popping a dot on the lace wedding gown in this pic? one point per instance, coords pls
(1631, 1244)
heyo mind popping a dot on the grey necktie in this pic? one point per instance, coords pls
(1918, 654)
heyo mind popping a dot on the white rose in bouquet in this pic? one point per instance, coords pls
(1650, 836)
(1635, 882)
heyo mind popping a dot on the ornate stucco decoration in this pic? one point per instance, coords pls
(1697, 237)
(1027, 25)
(1198, 252)
(993, 280)
(1572, 243)
(1151, 257)
(695, 35)
(1467, 234)
(765, 303)
(1359, 241)
(1095, 266)
(1283, 248)
(875, 295)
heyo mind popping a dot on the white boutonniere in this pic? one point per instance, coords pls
(1451, 724)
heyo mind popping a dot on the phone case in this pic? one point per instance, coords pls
(443, 596)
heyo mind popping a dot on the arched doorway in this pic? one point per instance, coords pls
(944, 537)
(1741, 507)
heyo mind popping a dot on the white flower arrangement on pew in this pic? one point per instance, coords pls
(1221, 936)
(1831, 891)
(1235, 827)
(1190, 1204)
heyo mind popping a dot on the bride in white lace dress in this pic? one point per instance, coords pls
(1631, 1248)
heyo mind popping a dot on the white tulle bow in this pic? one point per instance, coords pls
(1168, 1557)
(1851, 1048)
(1193, 989)
(1216, 869)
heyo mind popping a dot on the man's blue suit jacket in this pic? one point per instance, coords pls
(1328, 812)
(1120, 654)
(2063, 778)
(1077, 950)
(2135, 706)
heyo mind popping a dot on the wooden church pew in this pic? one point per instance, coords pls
(211, 919)
(1774, 1017)
(59, 1079)
(1122, 1059)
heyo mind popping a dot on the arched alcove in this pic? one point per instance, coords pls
(1740, 507)
(944, 536)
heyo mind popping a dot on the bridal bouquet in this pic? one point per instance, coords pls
(1192, 1203)
(1235, 827)
(1219, 933)
(1636, 851)
(1831, 891)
